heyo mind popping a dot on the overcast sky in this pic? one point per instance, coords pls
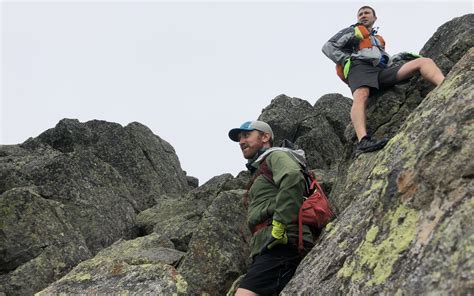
(190, 71)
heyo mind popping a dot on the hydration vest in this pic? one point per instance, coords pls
(362, 33)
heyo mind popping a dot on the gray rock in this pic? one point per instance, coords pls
(99, 174)
(321, 144)
(193, 182)
(284, 115)
(177, 218)
(148, 164)
(218, 250)
(38, 244)
(319, 130)
(136, 267)
(95, 200)
(337, 110)
(449, 43)
(97, 209)
(172, 218)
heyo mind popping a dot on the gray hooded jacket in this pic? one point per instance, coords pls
(345, 45)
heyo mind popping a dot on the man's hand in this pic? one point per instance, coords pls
(279, 236)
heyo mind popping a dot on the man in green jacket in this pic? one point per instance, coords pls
(273, 206)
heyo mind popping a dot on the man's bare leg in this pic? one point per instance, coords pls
(427, 68)
(360, 98)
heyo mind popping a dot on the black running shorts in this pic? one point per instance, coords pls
(270, 272)
(364, 74)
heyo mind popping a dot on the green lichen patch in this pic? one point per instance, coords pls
(375, 258)
(343, 245)
(377, 187)
(380, 170)
(372, 234)
(331, 229)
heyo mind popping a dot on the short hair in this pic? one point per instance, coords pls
(366, 6)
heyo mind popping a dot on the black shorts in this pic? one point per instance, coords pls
(364, 74)
(270, 272)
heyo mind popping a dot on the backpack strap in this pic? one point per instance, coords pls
(381, 40)
(262, 170)
(300, 230)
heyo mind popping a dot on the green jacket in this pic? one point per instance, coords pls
(281, 202)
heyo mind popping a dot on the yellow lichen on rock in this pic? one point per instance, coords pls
(374, 261)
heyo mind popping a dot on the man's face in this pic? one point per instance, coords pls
(366, 17)
(251, 142)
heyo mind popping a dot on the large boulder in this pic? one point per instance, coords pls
(284, 115)
(177, 218)
(318, 130)
(96, 201)
(321, 134)
(337, 110)
(449, 43)
(98, 174)
(219, 248)
(96, 210)
(407, 228)
(38, 244)
(136, 267)
(148, 164)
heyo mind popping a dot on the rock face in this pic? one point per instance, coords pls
(216, 255)
(177, 218)
(148, 165)
(73, 191)
(137, 267)
(37, 242)
(319, 130)
(218, 250)
(112, 206)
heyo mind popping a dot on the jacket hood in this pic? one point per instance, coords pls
(297, 154)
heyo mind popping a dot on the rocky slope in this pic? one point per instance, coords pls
(74, 190)
(97, 208)
(405, 220)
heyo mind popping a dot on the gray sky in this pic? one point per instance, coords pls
(190, 71)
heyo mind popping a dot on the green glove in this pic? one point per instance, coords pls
(279, 236)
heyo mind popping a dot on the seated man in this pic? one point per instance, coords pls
(362, 64)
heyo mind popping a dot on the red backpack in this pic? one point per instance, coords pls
(315, 211)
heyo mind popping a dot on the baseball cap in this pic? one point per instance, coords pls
(250, 126)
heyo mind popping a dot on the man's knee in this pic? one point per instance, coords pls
(426, 61)
(361, 94)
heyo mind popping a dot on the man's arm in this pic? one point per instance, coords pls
(290, 181)
(334, 48)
